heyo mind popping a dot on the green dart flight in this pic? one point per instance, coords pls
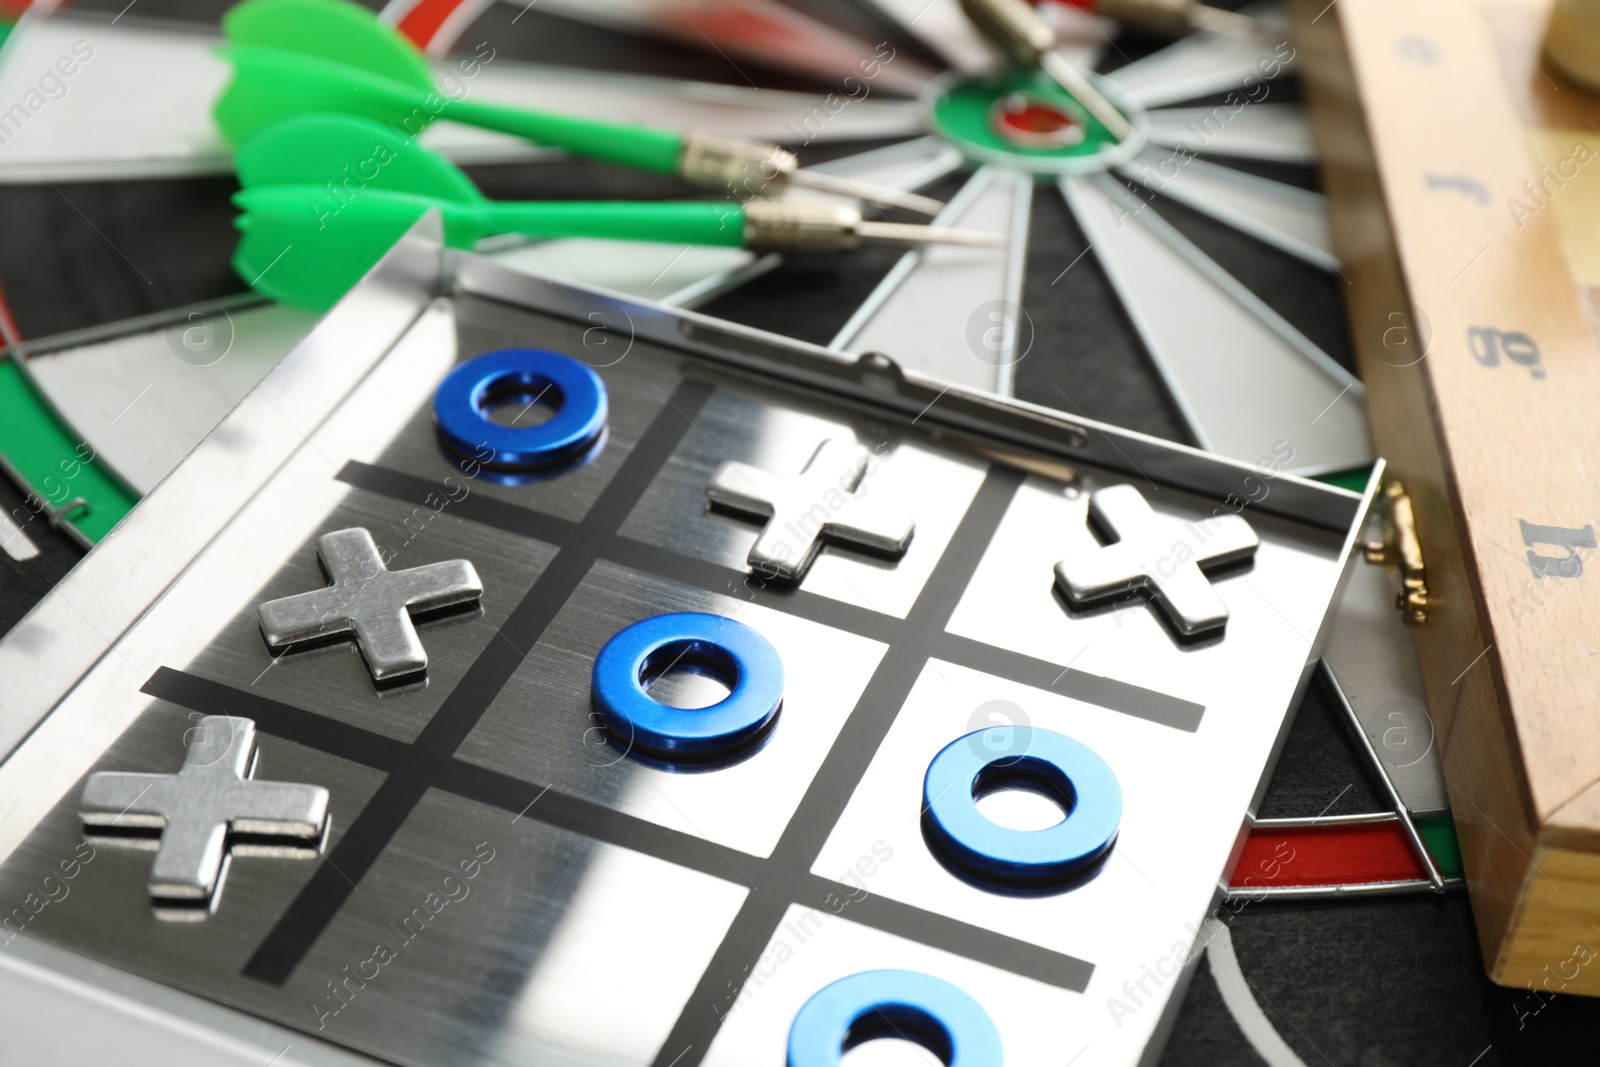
(293, 57)
(325, 196)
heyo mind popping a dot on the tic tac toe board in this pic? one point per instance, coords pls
(499, 880)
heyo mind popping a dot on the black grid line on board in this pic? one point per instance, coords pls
(540, 803)
(933, 640)
(785, 878)
(370, 832)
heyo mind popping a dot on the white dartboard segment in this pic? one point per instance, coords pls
(1243, 378)
(1291, 219)
(1277, 133)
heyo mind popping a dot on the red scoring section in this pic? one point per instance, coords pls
(425, 18)
(1031, 116)
(1338, 854)
(1022, 120)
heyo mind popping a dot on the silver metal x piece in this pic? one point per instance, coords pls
(370, 601)
(195, 809)
(823, 503)
(1162, 554)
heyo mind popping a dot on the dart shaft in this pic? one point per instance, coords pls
(1025, 37)
(760, 225)
(901, 233)
(374, 217)
(813, 226)
(685, 222)
(746, 169)
(270, 83)
(884, 195)
(631, 146)
(1073, 81)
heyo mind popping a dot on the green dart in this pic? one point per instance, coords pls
(327, 195)
(293, 57)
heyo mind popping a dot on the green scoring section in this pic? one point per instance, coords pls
(1354, 480)
(1438, 832)
(961, 114)
(55, 465)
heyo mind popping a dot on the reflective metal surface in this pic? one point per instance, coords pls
(739, 428)
(369, 602)
(94, 605)
(1371, 656)
(144, 400)
(543, 728)
(823, 503)
(77, 1008)
(1167, 557)
(213, 795)
(502, 880)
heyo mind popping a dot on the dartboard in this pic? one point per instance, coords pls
(1181, 283)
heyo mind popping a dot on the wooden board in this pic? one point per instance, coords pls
(1471, 295)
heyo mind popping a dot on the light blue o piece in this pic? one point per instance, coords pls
(928, 1010)
(733, 652)
(1030, 758)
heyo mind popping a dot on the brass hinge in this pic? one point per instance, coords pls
(1402, 549)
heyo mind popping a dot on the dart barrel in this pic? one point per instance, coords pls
(1014, 26)
(800, 226)
(744, 168)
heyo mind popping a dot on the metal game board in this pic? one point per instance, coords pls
(480, 870)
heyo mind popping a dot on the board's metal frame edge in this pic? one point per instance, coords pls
(152, 1003)
(1351, 555)
(169, 529)
(1156, 1048)
(131, 327)
(876, 380)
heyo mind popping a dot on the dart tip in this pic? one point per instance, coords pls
(1073, 81)
(947, 235)
(881, 195)
(923, 205)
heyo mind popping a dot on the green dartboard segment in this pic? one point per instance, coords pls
(1354, 479)
(962, 111)
(1438, 832)
(56, 466)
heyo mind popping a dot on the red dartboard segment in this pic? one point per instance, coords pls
(1031, 123)
(1337, 854)
(424, 18)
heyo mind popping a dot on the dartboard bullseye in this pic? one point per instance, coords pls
(1023, 120)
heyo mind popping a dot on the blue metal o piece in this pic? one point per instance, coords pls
(1047, 762)
(908, 1004)
(462, 401)
(733, 652)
